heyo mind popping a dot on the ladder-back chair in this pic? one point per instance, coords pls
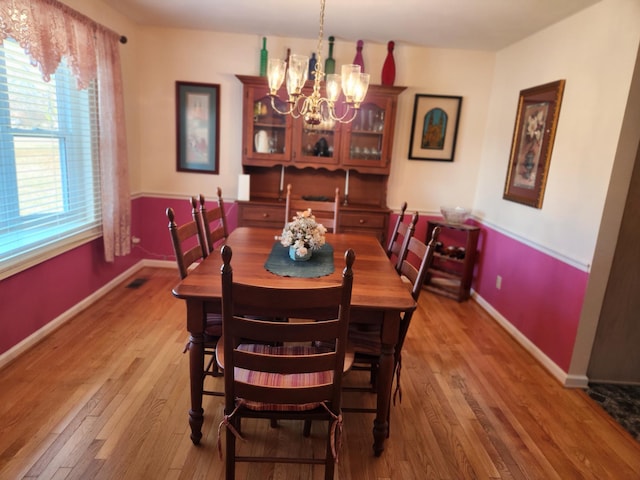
(326, 213)
(271, 369)
(414, 262)
(188, 250)
(213, 223)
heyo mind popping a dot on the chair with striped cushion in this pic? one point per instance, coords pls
(272, 370)
(365, 328)
(364, 338)
(188, 250)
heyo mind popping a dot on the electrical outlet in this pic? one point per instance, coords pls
(498, 282)
(135, 240)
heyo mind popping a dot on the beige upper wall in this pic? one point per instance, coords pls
(595, 51)
(155, 58)
(214, 57)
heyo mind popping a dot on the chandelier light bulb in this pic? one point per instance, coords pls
(276, 69)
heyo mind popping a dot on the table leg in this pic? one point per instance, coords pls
(390, 328)
(195, 315)
(385, 376)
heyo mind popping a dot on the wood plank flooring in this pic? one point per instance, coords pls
(106, 396)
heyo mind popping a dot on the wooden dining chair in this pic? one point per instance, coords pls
(326, 212)
(213, 222)
(271, 369)
(414, 262)
(397, 234)
(188, 250)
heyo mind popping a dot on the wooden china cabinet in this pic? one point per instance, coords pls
(315, 160)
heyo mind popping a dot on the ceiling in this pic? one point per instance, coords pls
(462, 24)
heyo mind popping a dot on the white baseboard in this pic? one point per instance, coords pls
(570, 381)
(54, 324)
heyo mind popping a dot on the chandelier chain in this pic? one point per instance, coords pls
(320, 36)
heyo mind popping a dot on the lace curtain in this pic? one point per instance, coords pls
(48, 31)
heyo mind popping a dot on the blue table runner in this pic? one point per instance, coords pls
(319, 265)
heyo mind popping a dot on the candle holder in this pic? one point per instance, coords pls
(280, 197)
(346, 199)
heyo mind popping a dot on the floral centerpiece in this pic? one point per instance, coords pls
(303, 235)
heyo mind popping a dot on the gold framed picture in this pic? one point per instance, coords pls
(532, 144)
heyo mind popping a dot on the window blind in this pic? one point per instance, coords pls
(49, 173)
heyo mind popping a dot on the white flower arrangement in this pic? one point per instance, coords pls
(303, 233)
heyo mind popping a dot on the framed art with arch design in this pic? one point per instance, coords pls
(434, 127)
(532, 144)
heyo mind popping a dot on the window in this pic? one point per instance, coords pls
(49, 172)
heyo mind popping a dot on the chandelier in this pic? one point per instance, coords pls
(314, 108)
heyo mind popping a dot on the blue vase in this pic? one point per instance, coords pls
(298, 258)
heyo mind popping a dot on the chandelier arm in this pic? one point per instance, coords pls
(289, 111)
(350, 112)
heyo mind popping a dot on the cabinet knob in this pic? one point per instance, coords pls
(362, 221)
(265, 215)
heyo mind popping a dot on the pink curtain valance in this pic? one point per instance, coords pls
(48, 31)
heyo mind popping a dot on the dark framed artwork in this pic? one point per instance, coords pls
(533, 136)
(434, 127)
(197, 127)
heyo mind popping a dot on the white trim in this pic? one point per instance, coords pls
(57, 322)
(583, 265)
(570, 381)
(574, 262)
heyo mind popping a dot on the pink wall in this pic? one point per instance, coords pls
(36, 296)
(152, 228)
(540, 295)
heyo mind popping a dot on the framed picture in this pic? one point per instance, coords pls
(533, 136)
(434, 127)
(197, 127)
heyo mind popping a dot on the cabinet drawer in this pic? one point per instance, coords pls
(362, 220)
(256, 215)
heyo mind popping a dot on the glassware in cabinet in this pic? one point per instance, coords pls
(366, 145)
(316, 144)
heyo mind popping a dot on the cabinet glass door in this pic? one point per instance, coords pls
(316, 144)
(366, 146)
(267, 134)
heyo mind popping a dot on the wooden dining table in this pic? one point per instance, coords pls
(377, 289)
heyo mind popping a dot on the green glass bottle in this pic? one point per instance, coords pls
(264, 55)
(330, 63)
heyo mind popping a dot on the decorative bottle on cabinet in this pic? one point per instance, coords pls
(264, 55)
(389, 67)
(358, 60)
(312, 66)
(330, 63)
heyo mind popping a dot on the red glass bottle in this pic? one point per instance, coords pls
(389, 67)
(358, 60)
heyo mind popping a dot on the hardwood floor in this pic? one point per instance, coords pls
(106, 396)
